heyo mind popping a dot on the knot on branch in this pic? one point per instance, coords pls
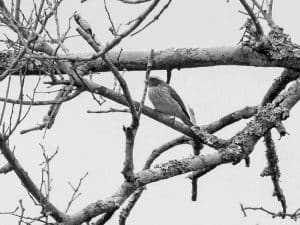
(267, 117)
(275, 45)
(254, 39)
(242, 144)
(266, 172)
(281, 44)
(233, 153)
(182, 166)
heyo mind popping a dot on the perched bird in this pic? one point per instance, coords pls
(165, 99)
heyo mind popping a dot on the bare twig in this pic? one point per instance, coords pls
(49, 119)
(149, 67)
(134, 1)
(270, 7)
(154, 155)
(46, 177)
(113, 28)
(233, 117)
(259, 29)
(42, 102)
(28, 183)
(130, 131)
(130, 29)
(197, 146)
(169, 76)
(89, 38)
(22, 212)
(267, 16)
(111, 110)
(6, 168)
(75, 194)
(19, 117)
(293, 216)
(154, 19)
(17, 10)
(5, 100)
(10, 212)
(273, 168)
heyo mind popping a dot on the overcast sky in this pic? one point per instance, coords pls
(94, 143)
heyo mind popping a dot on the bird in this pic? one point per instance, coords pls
(165, 100)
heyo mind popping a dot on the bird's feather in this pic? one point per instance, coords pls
(175, 96)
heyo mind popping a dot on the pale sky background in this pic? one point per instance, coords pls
(94, 143)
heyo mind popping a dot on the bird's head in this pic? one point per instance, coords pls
(155, 81)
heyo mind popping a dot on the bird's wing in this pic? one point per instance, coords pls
(178, 99)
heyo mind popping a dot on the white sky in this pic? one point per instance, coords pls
(95, 143)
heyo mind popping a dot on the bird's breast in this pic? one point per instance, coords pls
(163, 101)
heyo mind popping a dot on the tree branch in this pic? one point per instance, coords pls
(178, 58)
(48, 207)
(239, 146)
(259, 29)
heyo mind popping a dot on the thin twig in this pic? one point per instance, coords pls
(75, 194)
(273, 168)
(42, 102)
(22, 212)
(113, 28)
(6, 168)
(5, 100)
(114, 70)
(259, 29)
(154, 19)
(27, 182)
(154, 155)
(130, 131)
(149, 67)
(110, 110)
(134, 1)
(270, 7)
(293, 216)
(124, 34)
(267, 16)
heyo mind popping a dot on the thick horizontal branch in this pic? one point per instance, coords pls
(173, 58)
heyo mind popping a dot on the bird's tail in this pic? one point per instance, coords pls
(187, 121)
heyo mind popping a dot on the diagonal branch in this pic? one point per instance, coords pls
(115, 72)
(154, 19)
(130, 29)
(48, 207)
(239, 146)
(266, 14)
(259, 29)
(273, 169)
(130, 131)
(279, 84)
